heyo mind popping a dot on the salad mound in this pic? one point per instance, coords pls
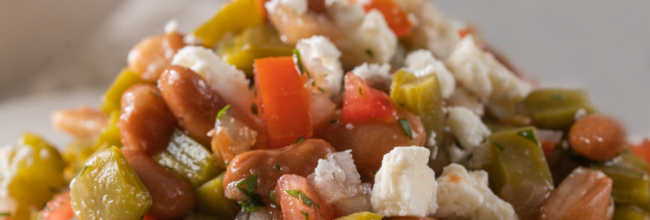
(327, 109)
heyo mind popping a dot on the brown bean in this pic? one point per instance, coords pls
(582, 195)
(145, 124)
(151, 56)
(370, 140)
(82, 122)
(598, 137)
(192, 101)
(407, 218)
(300, 159)
(317, 6)
(171, 195)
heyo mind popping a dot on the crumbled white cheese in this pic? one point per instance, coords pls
(322, 59)
(380, 40)
(297, 6)
(7, 203)
(483, 75)
(227, 80)
(191, 39)
(466, 195)
(336, 177)
(455, 153)
(370, 39)
(580, 113)
(467, 127)
(171, 26)
(433, 30)
(431, 141)
(405, 185)
(422, 62)
(373, 72)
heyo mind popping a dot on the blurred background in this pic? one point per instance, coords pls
(60, 54)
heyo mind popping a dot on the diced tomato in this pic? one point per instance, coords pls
(463, 32)
(300, 201)
(148, 217)
(259, 4)
(362, 103)
(396, 18)
(547, 147)
(642, 150)
(284, 100)
(59, 208)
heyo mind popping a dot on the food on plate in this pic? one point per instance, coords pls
(317, 109)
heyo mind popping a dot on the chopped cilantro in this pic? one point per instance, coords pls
(360, 92)
(406, 127)
(557, 97)
(321, 90)
(84, 170)
(227, 163)
(300, 140)
(277, 167)
(528, 134)
(306, 200)
(250, 206)
(272, 195)
(306, 215)
(369, 53)
(155, 94)
(501, 147)
(294, 193)
(251, 184)
(316, 205)
(333, 121)
(5, 214)
(222, 111)
(298, 60)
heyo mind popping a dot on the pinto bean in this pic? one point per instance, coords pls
(151, 56)
(145, 122)
(598, 137)
(299, 159)
(192, 100)
(370, 140)
(171, 195)
(82, 123)
(584, 194)
(293, 208)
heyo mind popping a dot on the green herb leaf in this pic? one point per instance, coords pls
(360, 92)
(316, 205)
(227, 163)
(84, 170)
(529, 134)
(222, 111)
(298, 60)
(501, 147)
(306, 200)
(5, 214)
(272, 195)
(277, 167)
(294, 193)
(250, 206)
(306, 215)
(321, 90)
(557, 97)
(300, 140)
(406, 127)
(251, 184)
(155, 94)
(333, 121)
(369, 53)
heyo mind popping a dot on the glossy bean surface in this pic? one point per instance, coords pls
(145, 122)
(598, 137)
(171, 195)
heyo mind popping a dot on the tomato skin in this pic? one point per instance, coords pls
(362, 103)
(642, 150)
(547, 147)
(395, 17)
(295, 208)
(59, 208)
(284, 100)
